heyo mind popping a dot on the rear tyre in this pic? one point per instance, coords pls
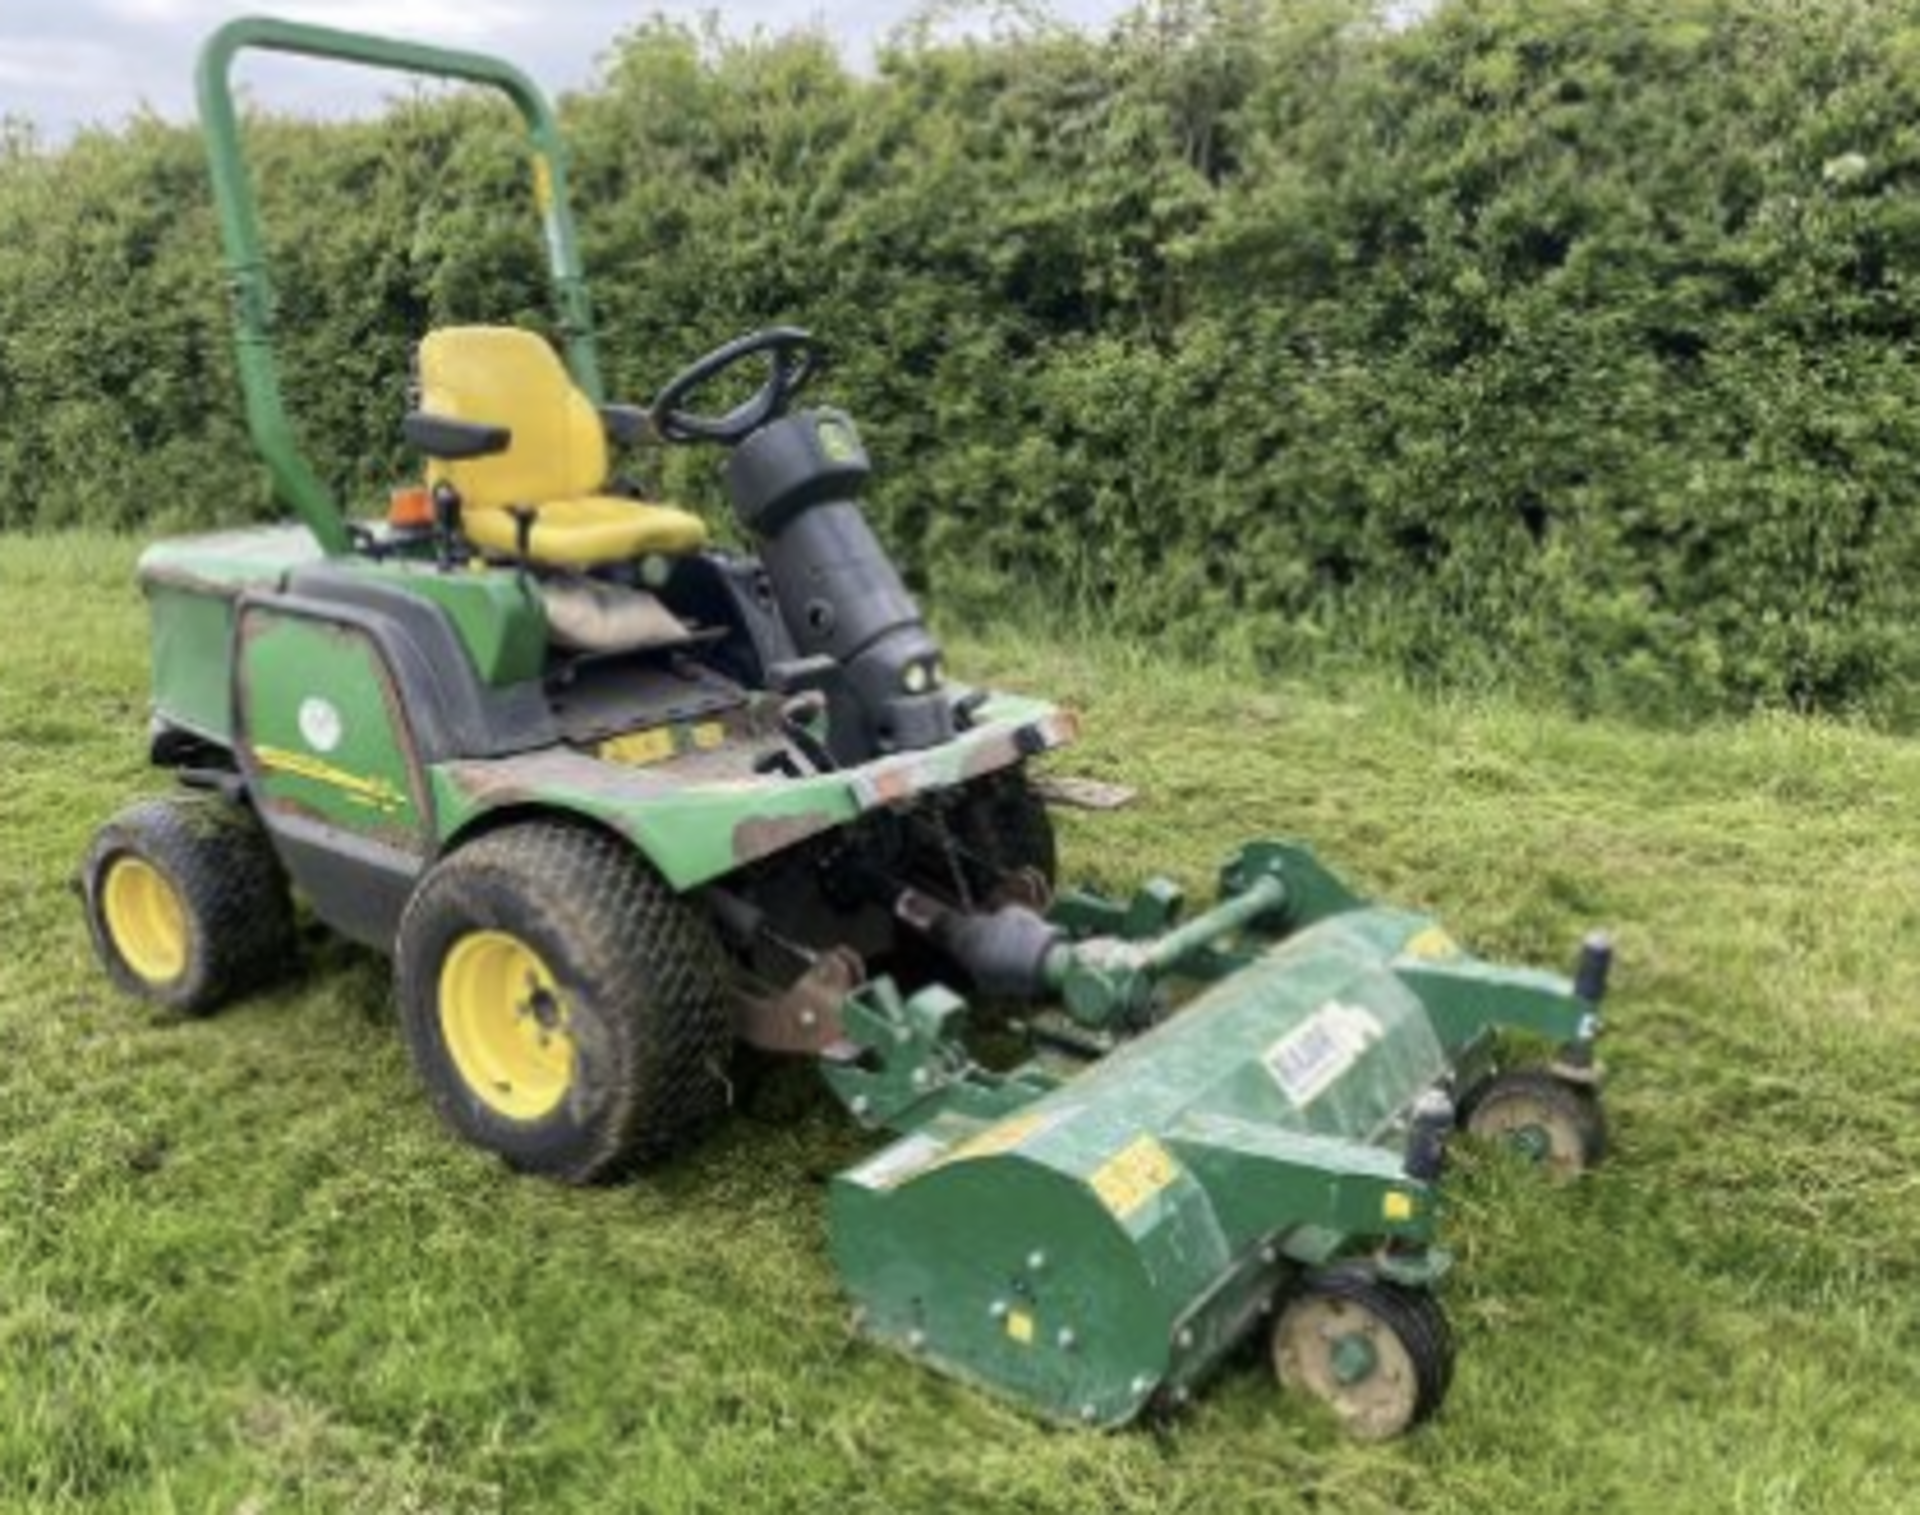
(1556, 1125)
(562, 1005)
(186, 902)
(1378, 1354)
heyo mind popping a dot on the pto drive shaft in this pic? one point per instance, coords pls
(1013, 953)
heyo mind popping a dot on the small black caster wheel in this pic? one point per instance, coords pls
(1378, 1354)
(1557, 1125)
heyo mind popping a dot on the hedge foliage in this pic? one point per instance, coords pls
(1562, 343)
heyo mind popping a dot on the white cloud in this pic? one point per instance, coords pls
(454, 22)
(67, 62)
(57, 64)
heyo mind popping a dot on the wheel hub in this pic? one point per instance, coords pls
(1352, 1358)
(1344, 1355)
(505, 1023)
(1533, 1142)
(146, 919)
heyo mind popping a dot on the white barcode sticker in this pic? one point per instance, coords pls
(1306, 1061)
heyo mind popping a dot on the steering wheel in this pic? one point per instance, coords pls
(792, 357)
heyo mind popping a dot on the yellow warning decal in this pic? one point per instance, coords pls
(659, 744)
(637, 749)
(377, 793)
(1020, 1327)
(1397, 1206)
(1133, 1175)
(1430, 944)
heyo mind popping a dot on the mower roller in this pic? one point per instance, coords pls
(617, 801)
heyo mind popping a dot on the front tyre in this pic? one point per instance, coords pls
(562, 1005)
(186, 902)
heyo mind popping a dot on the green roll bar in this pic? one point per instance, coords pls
(253, 307)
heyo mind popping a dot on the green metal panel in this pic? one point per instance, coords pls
(192, 633)
(226, 562)
(273, 433)
(996, 1270)
(190, 584)
(495, 612)
(324, 731)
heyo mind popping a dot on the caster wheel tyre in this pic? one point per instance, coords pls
(1557, 1125)
(1378, 1354)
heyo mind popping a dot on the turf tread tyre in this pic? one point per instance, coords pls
(234, 897)
(643, 976)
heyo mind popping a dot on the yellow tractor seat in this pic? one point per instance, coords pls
(581, 533)
(554, 464)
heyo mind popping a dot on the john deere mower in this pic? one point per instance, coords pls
(617, 801)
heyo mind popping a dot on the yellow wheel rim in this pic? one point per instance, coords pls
(505, 1024)
(145, 919)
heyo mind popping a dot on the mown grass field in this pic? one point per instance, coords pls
(241, 1267)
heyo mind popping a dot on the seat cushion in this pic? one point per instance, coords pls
(585, 532)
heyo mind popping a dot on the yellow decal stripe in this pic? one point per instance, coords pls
(375, 792)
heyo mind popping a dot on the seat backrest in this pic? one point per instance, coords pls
(500, 376)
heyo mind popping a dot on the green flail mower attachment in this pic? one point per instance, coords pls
(1094, 1232)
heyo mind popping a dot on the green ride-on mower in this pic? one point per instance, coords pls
(616, 802)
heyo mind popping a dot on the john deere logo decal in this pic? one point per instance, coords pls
(320, 726)
(837, 442)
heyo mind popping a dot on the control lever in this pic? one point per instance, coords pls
(796, 725)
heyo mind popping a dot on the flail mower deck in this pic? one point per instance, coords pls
(617, 801)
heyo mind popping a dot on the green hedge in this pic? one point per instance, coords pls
(1558, 343)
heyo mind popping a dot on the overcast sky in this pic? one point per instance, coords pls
(68, 62)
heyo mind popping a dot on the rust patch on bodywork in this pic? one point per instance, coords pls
(536, 775)
(1060, 728)
(401, 839)
(803, 1018)
(761, 836)
(707, 811)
